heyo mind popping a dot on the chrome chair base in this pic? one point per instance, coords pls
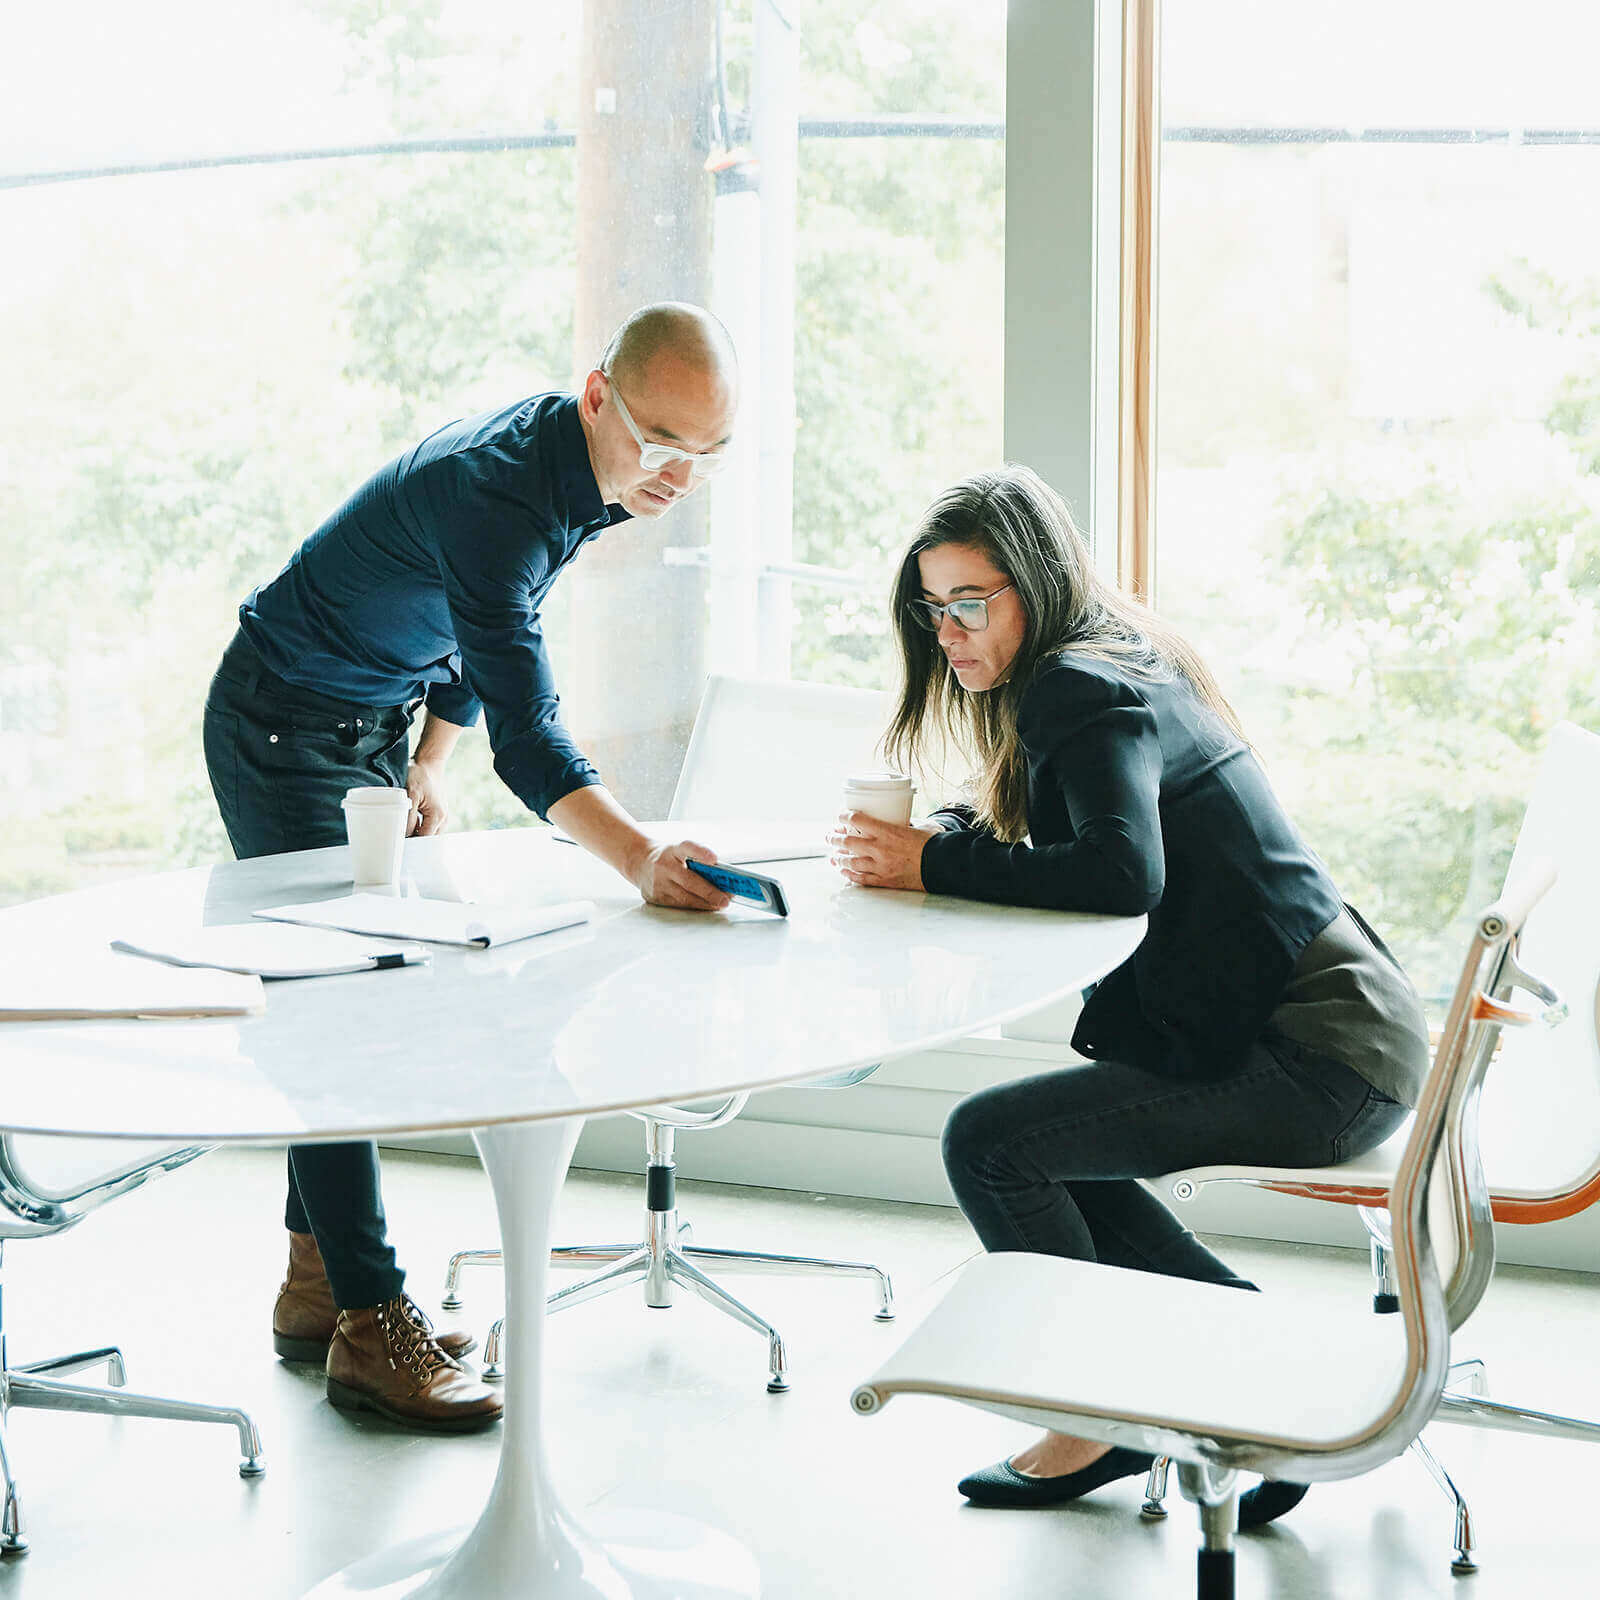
(661, 1260)
(1464, 1401)
(28, 1211)
(1464, 1564)
(1154, 1508)
(26, 1387)
(1215, 1491)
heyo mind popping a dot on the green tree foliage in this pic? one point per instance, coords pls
(1571, 310)
(1456, 625)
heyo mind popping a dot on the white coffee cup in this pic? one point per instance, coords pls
(375, 819)
(884, 795)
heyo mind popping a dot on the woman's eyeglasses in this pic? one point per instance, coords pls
(971, 616)
(653, 457)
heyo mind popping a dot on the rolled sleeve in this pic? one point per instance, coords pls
(454, 702)
(543, 767)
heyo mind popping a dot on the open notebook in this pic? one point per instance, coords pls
(81, 985)
(434, 921)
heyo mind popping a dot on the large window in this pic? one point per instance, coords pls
(253, 253)
(1379, 417)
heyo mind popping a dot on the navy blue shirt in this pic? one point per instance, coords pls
(428, 581)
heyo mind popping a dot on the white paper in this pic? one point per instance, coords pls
(272, 950)
(434, 921)
(73, 985)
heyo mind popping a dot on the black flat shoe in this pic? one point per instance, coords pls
(1003, 1485)
(1268, 1501)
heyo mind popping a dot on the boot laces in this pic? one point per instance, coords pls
(411, 1338)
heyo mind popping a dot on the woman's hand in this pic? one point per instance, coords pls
(879, 855)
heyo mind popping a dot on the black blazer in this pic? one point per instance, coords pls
(1141, 800)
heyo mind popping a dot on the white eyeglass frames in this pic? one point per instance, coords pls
(654, 457)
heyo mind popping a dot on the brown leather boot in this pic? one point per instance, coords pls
(386, 1359)
(303, 1320)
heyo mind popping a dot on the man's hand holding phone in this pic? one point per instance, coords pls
(665, 878)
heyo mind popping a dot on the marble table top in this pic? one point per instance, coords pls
(639, 1006)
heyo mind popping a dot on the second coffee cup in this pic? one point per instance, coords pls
(884, 795)
(375, 819)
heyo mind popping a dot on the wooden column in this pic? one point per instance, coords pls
(636, 661)
(1136, 398)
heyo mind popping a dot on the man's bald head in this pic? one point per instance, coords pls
(686, 333)
(670, 378)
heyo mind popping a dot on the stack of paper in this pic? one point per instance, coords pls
(435, 921)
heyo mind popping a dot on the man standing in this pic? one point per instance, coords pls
(425, 587)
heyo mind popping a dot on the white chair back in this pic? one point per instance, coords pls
(769, 751)
(1540, 1131)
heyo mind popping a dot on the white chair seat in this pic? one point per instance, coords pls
(1108, 1345)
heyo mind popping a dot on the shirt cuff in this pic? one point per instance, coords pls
(944, 856)
(539, 776)
(454, 702)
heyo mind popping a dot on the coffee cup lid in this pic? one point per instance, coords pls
(375, 795)
(878, 780)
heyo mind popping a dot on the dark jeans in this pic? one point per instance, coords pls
(1050, 1164)
(280, 759)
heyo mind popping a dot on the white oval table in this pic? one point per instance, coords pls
(519, 1044)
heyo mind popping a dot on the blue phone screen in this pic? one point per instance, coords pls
(729, 882)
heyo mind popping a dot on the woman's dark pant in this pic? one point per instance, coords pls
(280, 759)
(1051, 1164)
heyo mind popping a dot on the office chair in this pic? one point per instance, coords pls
(1223, 1382)
(46, 1187)
(1541, 1103)
(759, 751)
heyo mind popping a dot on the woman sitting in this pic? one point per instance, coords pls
(1260, 1022)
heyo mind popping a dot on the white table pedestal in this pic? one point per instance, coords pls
(527, 1545)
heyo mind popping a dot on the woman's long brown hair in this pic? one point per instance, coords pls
(1025, 529)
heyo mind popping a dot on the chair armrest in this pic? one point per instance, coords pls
(30, 1209)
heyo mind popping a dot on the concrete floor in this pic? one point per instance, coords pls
(670, 1411)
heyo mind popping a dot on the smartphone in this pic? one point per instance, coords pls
(751, 887)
